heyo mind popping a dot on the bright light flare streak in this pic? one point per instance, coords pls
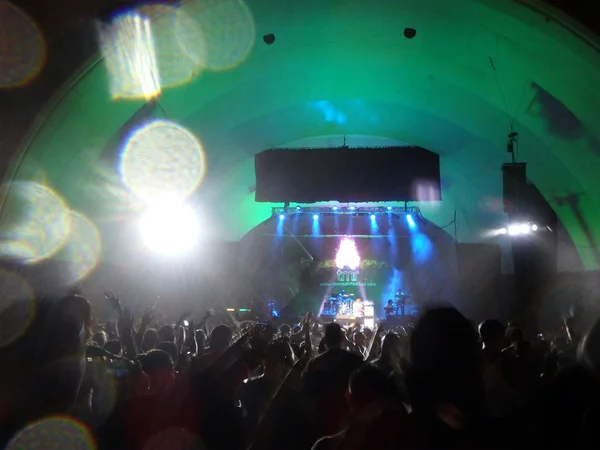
(347, 255)
(519, 229)
(128, 48)
(515, 229)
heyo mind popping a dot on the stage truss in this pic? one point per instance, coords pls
(347, 210)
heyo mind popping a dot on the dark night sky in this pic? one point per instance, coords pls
(67, 27)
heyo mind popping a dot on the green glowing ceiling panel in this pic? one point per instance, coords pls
(474, 70)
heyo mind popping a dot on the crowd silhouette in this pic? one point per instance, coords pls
(70, 380)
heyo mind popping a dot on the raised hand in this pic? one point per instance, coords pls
(125, 321)
(76, 290)
(243, 339)
(207, 316)
(182, 318)
(113, 300)
(147, 317)
(306, 322)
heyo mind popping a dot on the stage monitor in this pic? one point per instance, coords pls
(347, 175)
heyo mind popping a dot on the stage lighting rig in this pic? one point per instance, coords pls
(347, 210)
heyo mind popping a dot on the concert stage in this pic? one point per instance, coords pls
(324, 259)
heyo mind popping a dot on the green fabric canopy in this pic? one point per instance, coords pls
(475, 70)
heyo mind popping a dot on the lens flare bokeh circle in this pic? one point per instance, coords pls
(179, 44)
(53, 433)
(23, 48)
(82, 249)
(160, 157)
(228, 30)
(35, 222)
(17, 307)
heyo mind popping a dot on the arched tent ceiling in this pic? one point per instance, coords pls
(438, 90)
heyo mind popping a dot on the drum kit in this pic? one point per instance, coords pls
(341, 304)
(344, 304)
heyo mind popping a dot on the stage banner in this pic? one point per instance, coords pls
(345, 278)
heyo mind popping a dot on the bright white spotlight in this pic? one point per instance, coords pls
(347, 255)
(170, 229)
(534, 227)
(519, 229)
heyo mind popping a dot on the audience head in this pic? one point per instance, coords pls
(392, 347)
(100, 338)
(515, 335)
(113, 347)
(445, 364)
(492, 333)
(276, 360)
(368, 385)
(333, 336)
(158, 365)
(220, 339)
(68, 328)
(150, 340)
(285, 330)
(166, 333)
(170, 348)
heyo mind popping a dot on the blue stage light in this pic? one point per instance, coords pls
(411, 221)
(298, 208)
(372, 216)
(389, 208)
(352, 208)
(335, 208)
(281, 216)
(316, 216)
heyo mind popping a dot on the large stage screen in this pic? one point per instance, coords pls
(347, 269)
(300, 262)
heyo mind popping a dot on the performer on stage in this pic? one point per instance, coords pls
(389, 309)
(358, 308)
(401, 301)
